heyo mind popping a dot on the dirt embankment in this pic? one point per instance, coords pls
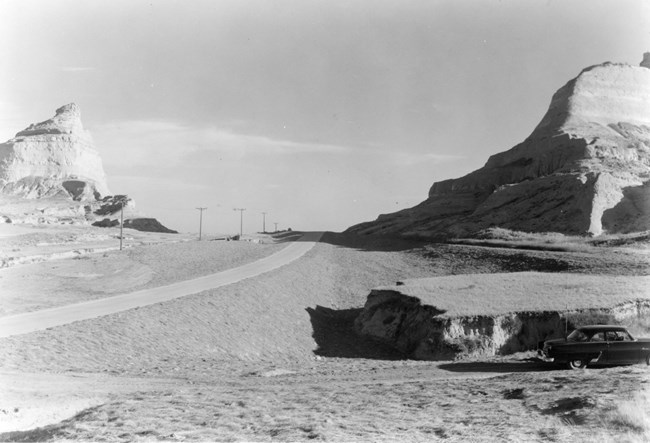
(424, 332)
(474, 309)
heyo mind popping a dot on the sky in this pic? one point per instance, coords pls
(322, 114)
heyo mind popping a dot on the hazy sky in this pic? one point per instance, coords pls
(323, 114)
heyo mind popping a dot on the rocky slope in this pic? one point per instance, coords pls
(51, 173)
(585, 169)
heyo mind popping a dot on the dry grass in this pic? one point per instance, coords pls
(640, 327)
(553, 241)
(466, 259)
(632, 415)
(371, 401)
(515, 236)
(59, 282)
(183, 261)
(239, 363)
(262, 318)
(496, 294)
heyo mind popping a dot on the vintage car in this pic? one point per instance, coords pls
(602, 344)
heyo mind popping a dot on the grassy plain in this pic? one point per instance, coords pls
(274, 359)
(47, 280)
(498, 294)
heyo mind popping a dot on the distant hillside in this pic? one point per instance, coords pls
(584, 170)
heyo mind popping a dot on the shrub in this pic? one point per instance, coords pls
(590, 317)
(639, 327)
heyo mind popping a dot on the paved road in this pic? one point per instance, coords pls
(47, 318)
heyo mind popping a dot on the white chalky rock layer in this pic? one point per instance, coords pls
(54, 157)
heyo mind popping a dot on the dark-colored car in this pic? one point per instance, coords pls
(603, 344)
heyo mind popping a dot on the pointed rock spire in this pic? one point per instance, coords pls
(53, 157)
(67, 120)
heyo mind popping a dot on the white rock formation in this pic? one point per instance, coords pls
(56, 157)
(51, 173)
(585, 169)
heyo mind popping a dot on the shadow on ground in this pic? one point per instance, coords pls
(336, 337)
(521, 365)
(353, 241)
(48, 433)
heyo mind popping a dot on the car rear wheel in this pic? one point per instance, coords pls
(577, 363)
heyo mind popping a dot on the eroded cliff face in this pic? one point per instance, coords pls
(585, 169)
(56, 157)
(420, 332)
(425, 331)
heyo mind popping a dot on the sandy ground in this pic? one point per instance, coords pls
(275, 358)
(51, 278)
(44, 319)
(21, 244)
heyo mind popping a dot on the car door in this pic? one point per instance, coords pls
(621, 348)
(596, 346)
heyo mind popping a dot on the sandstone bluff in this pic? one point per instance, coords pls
(584, 170)
(54, 157)
(51, 173)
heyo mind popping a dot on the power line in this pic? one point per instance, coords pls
(241, 220)
(121, 222)
(201, 220)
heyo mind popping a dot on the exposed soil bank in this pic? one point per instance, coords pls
(482, 322)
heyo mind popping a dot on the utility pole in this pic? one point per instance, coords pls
(241, 221)
(121, 222)
(263, 222)
(201, 220)
(276, 226)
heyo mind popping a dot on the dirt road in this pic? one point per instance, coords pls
(47, 318)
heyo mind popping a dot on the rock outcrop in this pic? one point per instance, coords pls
(147, 225)
(485, 314)
(585, 169)
(51, 173)
(646, 60)
(56, 157)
